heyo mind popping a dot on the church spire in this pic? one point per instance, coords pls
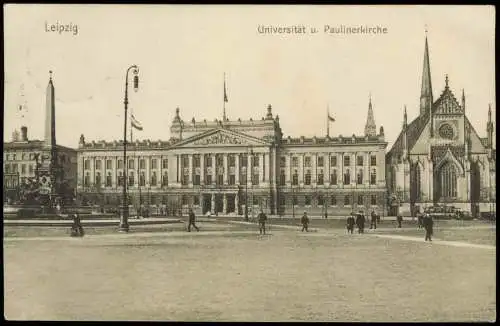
(489, 128)
(426, 90)
(50, 115)
(370, 127)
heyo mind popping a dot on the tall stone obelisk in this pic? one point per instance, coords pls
(50, 174)
(50, 115)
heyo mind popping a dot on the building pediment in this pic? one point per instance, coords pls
(221, 137)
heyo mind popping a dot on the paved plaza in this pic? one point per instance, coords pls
(227, 272)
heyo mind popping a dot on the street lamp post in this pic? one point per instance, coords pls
(246, 186)
(124, 227)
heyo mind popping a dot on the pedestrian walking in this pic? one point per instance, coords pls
(419, 221)
(360, 222)
(373, 221)
(400, 220)
(262, 222)
(305, 222)
(76, 227)
(350, 224)
(192, 219)
(428, 225)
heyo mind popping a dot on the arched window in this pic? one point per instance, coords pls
(360, 177)
(347, 177)
(373, 177)
(86, 180)
(98, 179)
(333, 177)
(108, 180)
(142, 179)
(448, 179)
(417, 181)
(153, 179)
(131, 179)
(120, 179)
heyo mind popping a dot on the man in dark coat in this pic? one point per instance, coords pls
(373, 222)
(428, 226)
(262, 222)
(399, 220)
(350, 223)
(192, 218)
(305, 222)
(77, 228)
(360, 222)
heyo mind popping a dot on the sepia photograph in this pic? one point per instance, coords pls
(249, 163)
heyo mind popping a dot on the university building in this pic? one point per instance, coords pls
(25, 160)
(223, 166)
(439, 158)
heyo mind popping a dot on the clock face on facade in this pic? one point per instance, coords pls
(446, 131)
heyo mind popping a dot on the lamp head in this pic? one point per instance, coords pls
(136, 79)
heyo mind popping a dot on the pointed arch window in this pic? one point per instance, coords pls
(448, 180)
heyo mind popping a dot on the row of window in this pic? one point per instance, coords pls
(219, 160)
(131, 179)
(14, 168)
(231, 161)
(333, 161)
(333, 178)
(131, 164)
(219, 180)
(31, 157)
(330, 200)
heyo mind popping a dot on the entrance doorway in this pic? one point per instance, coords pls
(231, 203)
(207, 204)
(219, 204)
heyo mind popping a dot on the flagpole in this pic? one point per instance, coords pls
(327, 121)
(224, 101)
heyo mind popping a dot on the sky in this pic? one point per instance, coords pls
(183, 52)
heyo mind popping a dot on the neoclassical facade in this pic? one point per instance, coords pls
(223, 165)
(439, 158)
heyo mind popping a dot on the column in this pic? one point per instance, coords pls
(267, 167)
(237, 170)
(236, 203)
(367, 168)
(190, 168)
(314, 169)
(326, 169)
(212, 203)
(115, 181)
(202, 169)
(289, 169)
(226, 170)
(224, 202)
(340, 176)
(92, 170)
(261, 166)
(214, 168)
(148, 171)
(430, 177)
(301, 170)
(249, 169)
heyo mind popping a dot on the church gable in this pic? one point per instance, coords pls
(447, 104)
(220, 137)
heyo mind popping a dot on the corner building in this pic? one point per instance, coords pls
(221, 166)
